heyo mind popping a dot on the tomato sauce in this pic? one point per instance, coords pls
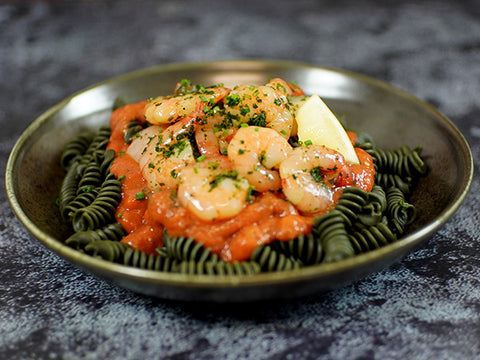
(130, 211)
(234, 238)
(363, 173)
(119, 121)
(267, 218)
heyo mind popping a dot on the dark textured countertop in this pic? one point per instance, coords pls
(426, 306)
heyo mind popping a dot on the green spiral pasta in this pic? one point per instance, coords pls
(87, 164)
(108, 250)
(190, 257)
(399, 212)
(402, 161)
(351, 203)
(140, 259)
(75, 149)
(91, 177)
(304, 248)
(94, 173)
(397, 168)
(271, 260)
(80, 239)
(106, 161)
(373, 210)
(120, 253)
(374, 237)
(186, 249)
(100, 141)
(96, 147)
(81, 201)
(387, 180)
(101, 211)
(330, 230)
(219, 268)
(68, 190)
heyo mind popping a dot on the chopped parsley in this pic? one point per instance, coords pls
(232, 100)
(258, 119)
(317, 175)
(229, 174)
(140, 195)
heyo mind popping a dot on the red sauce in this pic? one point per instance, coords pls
(233, 239)
(130, 211)
(353, 137)
(119, 121)
(364, 172)
(267, 218)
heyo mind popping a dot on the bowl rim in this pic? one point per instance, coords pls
(214, 281)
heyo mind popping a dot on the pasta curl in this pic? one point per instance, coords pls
(271, 260)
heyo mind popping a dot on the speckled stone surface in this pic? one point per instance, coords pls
(426, 306)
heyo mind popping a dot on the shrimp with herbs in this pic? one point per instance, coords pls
(266, 106)
(169, 109)
(309, 175)
(214, 134)
(162, 152)
(212, 190)
(256, 152)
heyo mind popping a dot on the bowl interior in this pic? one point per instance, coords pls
(393, 118)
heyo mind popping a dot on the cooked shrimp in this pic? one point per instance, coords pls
(165, 110)
(256, 153)
(207, 141)
(212, 191)
(214, 134)
(162, 152)
(283, 87)
(265, 105)
(308, 175)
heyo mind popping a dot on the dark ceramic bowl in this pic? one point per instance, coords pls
(393, 117)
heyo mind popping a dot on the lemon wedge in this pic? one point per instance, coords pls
(317, 123)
